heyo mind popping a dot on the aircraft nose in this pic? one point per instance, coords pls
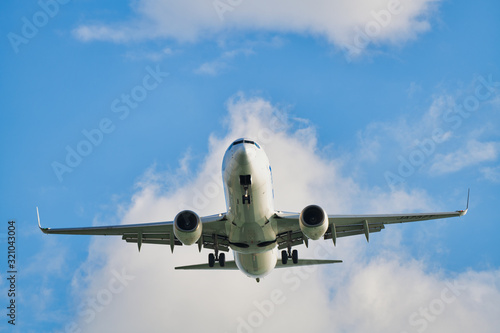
(244, 155)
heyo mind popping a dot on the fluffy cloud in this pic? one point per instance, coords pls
(379, 287)
(350, 25)
(395, 294)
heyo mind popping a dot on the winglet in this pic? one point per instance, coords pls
(468, 194)
(44, 230)
(463, 212)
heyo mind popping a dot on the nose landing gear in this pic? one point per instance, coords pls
(246, 181)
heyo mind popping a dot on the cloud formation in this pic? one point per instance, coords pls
(350, 25)
(214, 67)
(379, 287)
(452, 133)
(474, 153)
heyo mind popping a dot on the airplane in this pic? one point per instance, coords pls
(251, 227)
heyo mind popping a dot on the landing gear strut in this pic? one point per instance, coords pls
(285, 254)
(212, 258)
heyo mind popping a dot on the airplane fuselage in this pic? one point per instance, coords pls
(248, 188)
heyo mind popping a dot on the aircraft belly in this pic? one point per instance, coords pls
(250, 205)
(252, 238)
(256, 265)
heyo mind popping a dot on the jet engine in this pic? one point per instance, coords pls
(313, 222)
(187, 227)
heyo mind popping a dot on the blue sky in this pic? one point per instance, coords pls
(417, 102)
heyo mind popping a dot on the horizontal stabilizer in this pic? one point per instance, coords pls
(229, 265)
(306, 262)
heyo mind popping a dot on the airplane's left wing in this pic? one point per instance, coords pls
(290, 234)
(213, 234)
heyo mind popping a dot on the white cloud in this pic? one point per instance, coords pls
(211, 68)
(377, 288)
(409, 131)
(395, 294)
(448, 136)
(491, 173)
(350, 25)
(149, 55)
(214, 67)
(413, 89)
(474, 153)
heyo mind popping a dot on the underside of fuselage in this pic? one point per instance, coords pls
(256, 265)
(250, 205)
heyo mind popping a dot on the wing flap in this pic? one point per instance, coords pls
(133, 238)
(293, 238)
(352, 230)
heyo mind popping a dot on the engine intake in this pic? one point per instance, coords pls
(313, 222)
(187, 227)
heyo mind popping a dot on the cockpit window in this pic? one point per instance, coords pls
(237, 142)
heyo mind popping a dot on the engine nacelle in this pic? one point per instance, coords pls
(187, 227)
(313, 222)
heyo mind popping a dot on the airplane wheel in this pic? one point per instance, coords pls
(284, 257)
(211, 260)
(295, 256)
(222, 260)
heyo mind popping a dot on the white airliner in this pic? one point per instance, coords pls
(251, 227)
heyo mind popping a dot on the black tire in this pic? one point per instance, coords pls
(211, 260)
(284, 257)
(295, 256)
(222, 259)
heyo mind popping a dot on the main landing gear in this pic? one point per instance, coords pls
(286, 254)
(221, 258)
(212, 258)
